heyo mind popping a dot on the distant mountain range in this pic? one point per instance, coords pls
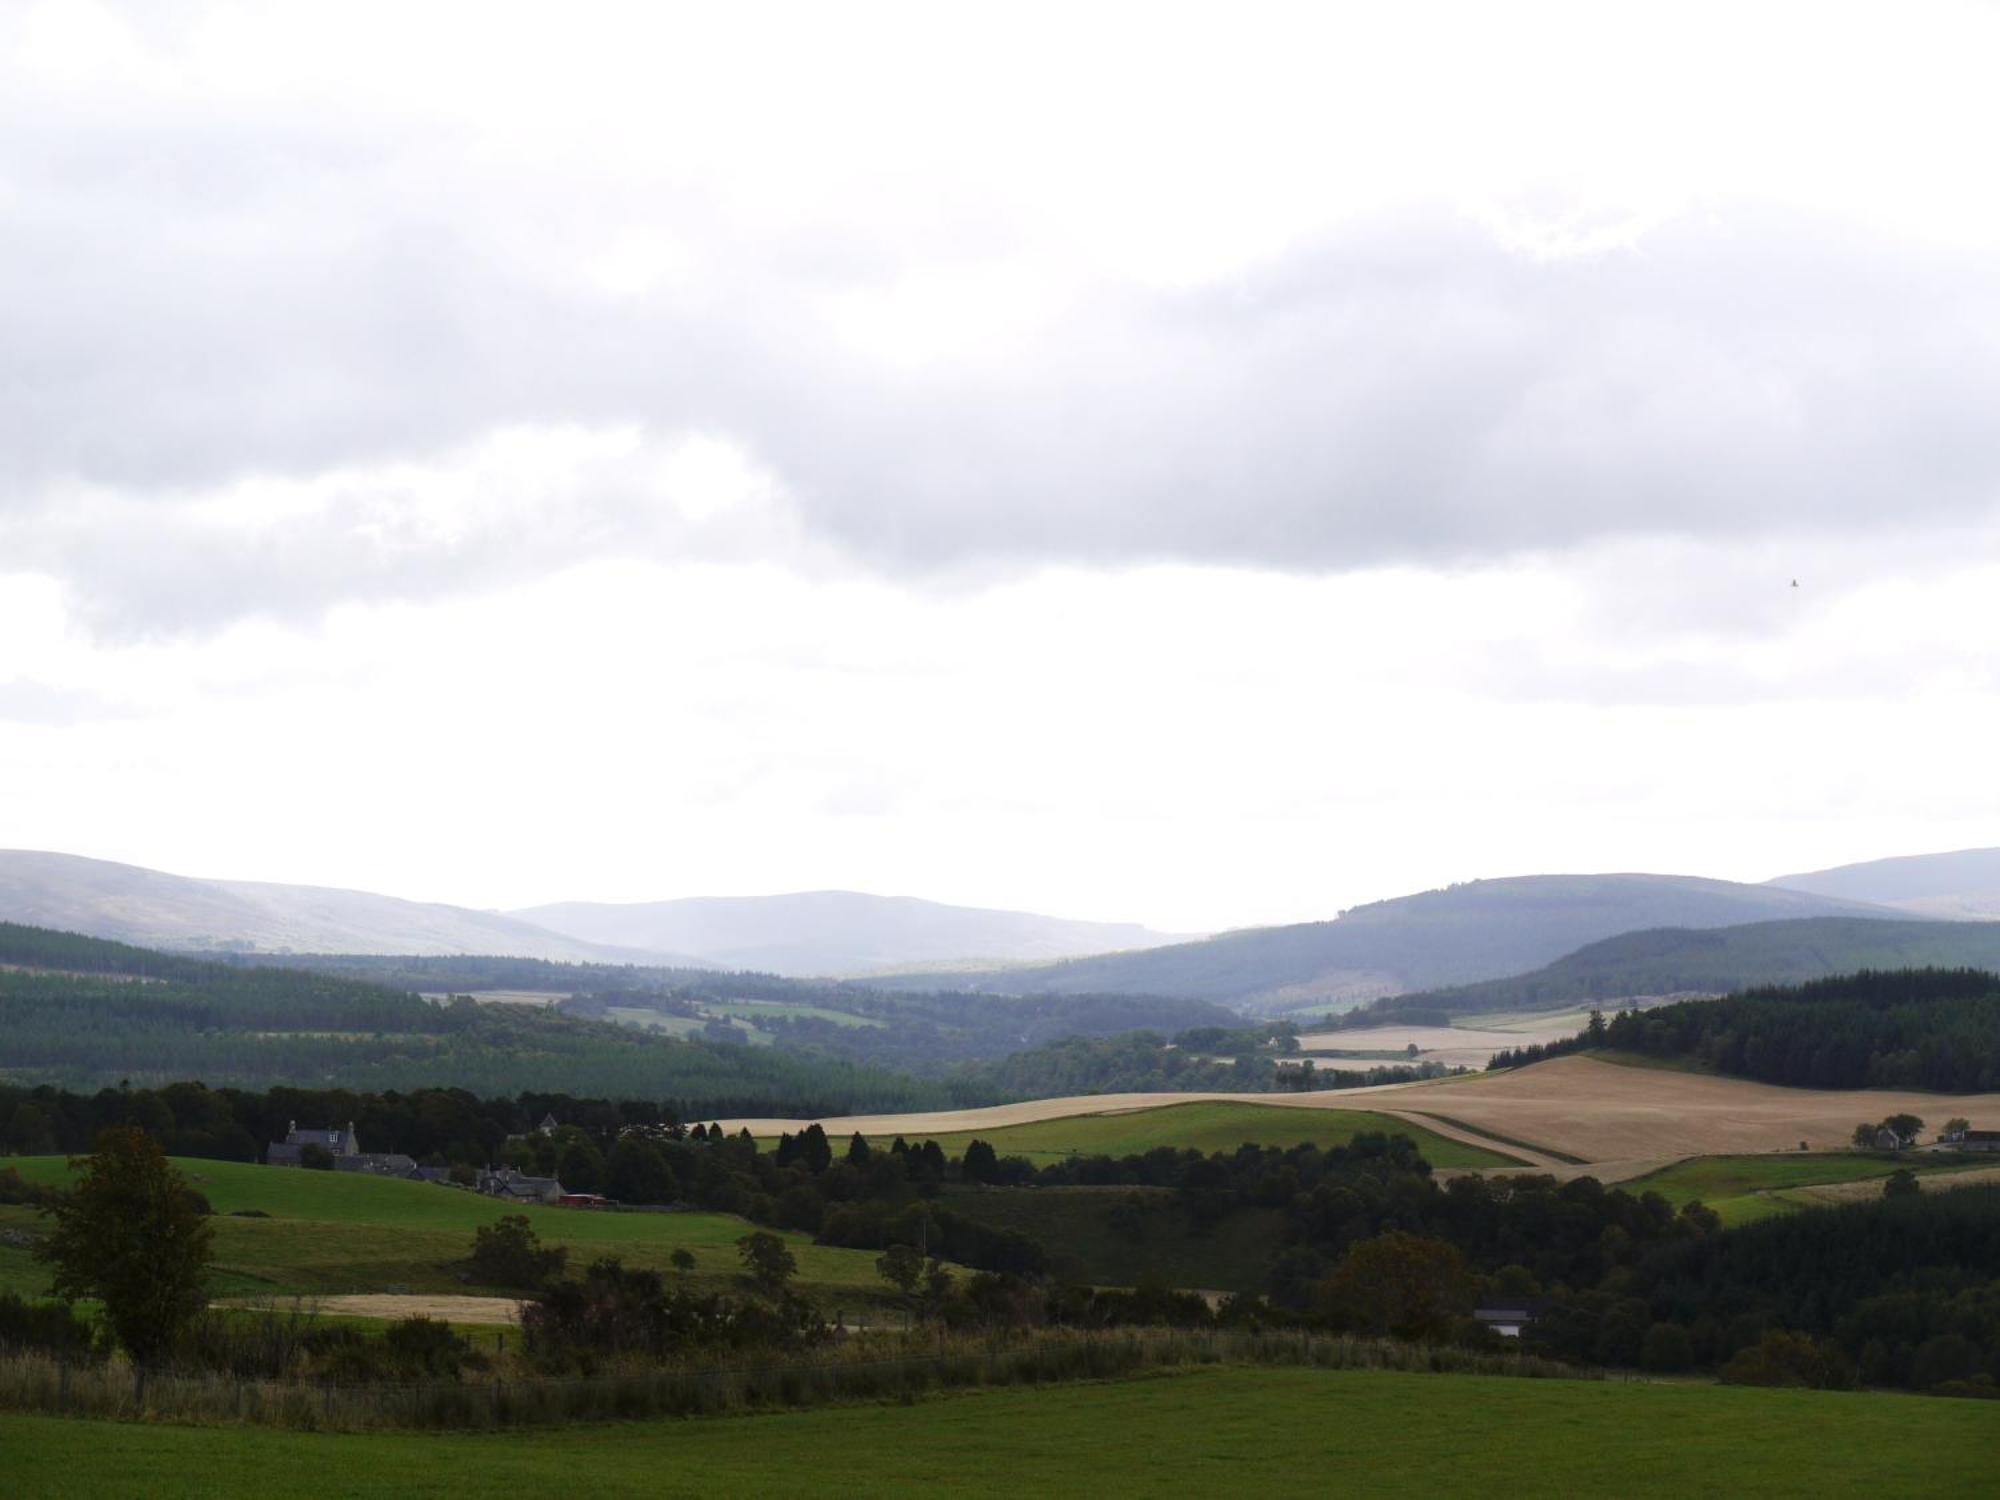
(1963, 885)
(1484, 929)
(1466, 934)
(811, 935)
(153, 909)
(836, 932)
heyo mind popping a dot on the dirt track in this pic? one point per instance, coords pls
(1604, 1113)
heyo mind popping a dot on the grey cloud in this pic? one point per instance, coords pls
(187, 301)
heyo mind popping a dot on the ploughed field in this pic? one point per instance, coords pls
(1216, 1431)
(341, 1232)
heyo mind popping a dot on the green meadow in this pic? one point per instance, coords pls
(1205, 1125)
(1216, 1431)
(1744, 1189)
(331, 1232)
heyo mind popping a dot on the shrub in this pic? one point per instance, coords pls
(45, 1328)
(510, 1253)
(1782, 1358)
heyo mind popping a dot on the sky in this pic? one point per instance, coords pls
(1200, 466)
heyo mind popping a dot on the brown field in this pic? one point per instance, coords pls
(485, 1310)
(1856, 1192)
(1454, 1046)
(1621, 1120)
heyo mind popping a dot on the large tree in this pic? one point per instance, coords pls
(131, 1234)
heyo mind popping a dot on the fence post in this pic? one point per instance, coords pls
(62, 1386)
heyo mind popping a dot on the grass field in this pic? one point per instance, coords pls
(1209, 1433)
(331, 1232)
(1208, 1125)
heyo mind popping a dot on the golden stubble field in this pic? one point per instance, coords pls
(1623, 1119)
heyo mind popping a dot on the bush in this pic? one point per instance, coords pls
(509, 1253)
(1782, 1358)
(45, 1328)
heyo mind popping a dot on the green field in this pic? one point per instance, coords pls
(751, 1010)
(341, 1232)
(1209, 1433)
(1206, 1125)
(1744, 1189)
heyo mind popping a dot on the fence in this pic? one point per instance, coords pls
(40, 1384)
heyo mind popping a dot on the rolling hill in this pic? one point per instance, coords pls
(815, 933)
(1681, 960)
(1962, 885)
(154, 909)
(1481, 930)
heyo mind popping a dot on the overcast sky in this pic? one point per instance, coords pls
(1198, 467)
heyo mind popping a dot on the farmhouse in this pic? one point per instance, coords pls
(518, 1187)
(343, 1147)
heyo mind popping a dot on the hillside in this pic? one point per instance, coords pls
(1911, 1028)
(88, 1013)
(1464, 933)
(835, 932)
(1963, 884)
(1680, 960)
(159, 910)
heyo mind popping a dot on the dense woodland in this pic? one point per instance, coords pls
(1914, 1028)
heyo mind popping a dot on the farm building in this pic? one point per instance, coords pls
(343, 1147)
(518, 1187)
(1971, 1140)
(1510, 1318)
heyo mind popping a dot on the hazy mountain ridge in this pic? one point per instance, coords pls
(151, 908)
(1462, 934)
(1713, 961)
(1961, 885)
(814, 933)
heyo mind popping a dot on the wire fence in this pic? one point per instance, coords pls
(121, 1392)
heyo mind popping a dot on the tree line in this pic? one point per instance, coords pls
(1911, 1028)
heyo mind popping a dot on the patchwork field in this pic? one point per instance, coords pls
(1617, 1120)
(336, 1232)
(1211, 1432)
(1208, 1125)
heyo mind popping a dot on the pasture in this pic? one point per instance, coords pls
(341, 1232)
(1214, 1431)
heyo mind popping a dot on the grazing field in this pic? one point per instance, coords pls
(1741, 1188)
(341, 1232)
(1207, 1126)
(1208, 1433)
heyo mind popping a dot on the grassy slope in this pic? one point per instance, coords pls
(340, 1232)
(1213, 1432)
(1744, 1189)
(1208, 1126)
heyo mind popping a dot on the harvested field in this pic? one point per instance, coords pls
(386, 1305)
(1454, 1046)
(1606, 1112)
(1621, 1120)
(1857, 1192)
